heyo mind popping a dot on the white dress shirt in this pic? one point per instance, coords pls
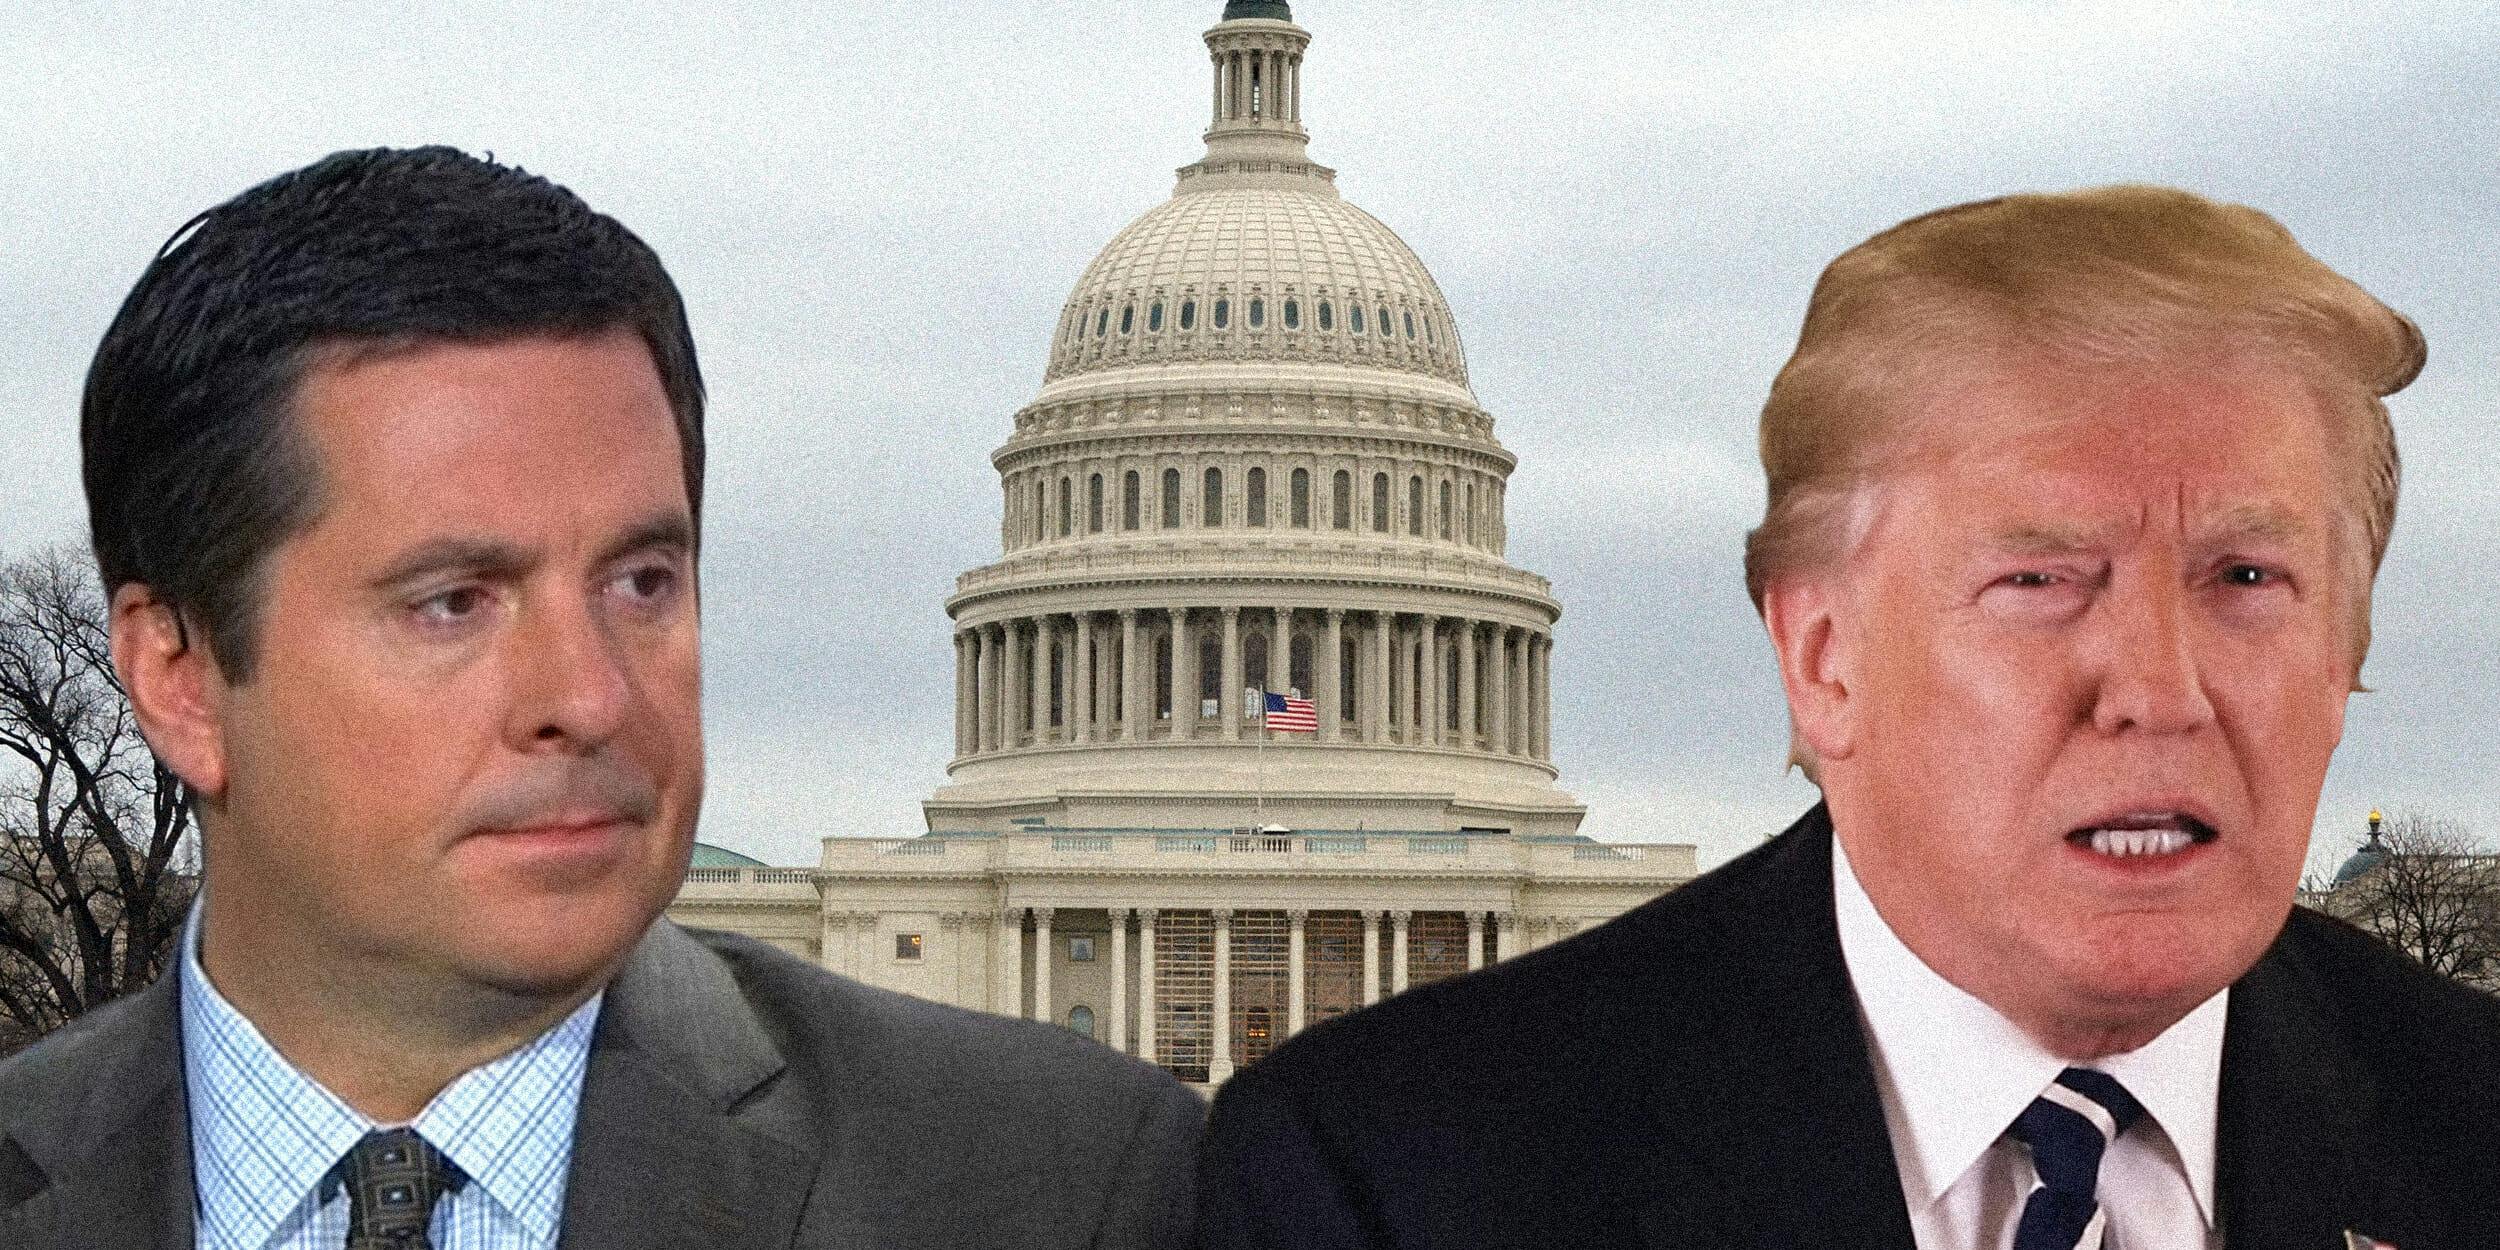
(1953, 1074)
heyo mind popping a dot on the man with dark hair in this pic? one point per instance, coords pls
(394, 466)
(2074, 504)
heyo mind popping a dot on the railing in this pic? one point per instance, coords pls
(1436, 846)
(751, 876)
(1081, 843)
(1334, 844)
(1295, 557)
(1263, 843)
(1563, 857)
(1185, 843)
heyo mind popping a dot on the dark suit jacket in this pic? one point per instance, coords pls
(736, 1097)
(1694, 1074)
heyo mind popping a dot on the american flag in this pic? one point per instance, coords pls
(1290, 714)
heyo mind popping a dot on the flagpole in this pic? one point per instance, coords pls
(1260, 791)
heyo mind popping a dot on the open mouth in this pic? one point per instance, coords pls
(2143, 834)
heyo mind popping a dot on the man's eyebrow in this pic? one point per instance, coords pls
(2034, 538)
(475, 556)
(2261, 521)
(671, 531)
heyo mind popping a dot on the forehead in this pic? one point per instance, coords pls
(539, 443)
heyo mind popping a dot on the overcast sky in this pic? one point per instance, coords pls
(875, 210)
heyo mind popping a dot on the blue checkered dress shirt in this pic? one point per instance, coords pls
(265, 1137)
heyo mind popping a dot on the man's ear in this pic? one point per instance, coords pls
(1811, 632)
(175, 687)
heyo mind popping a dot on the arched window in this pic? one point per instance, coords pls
(1354, 317)
(1223, 313)
(1429, 336)
(1445, 511)
(1410, 325)
(1258, 313)
(1302, 499)
(1102, 322)
(1081, 1019)
(1385, 331)
(1449, 685)
(1041, 510)
(1171, 498)
(1415, 506)
(1067, 505)
(1341, 501)
(1210, 675)
(1298, 664)
(1128, 318)
(1093, 504)
(1327, 319)
(1293, 314)
(1254, 497)
(1380, 503)
(1057, 663)
(1161, 644)
(1189, 314)
(1254, 661)
(1154, 318)
(1130, 503)
(1211, 507)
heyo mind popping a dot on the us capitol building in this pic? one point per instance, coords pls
(1254, 465)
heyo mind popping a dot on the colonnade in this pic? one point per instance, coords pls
(1139, 674)
(1490, 936)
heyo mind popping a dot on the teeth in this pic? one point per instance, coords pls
(2127, 842)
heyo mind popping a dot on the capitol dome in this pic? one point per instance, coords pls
(1254, 472)
(1284, 271)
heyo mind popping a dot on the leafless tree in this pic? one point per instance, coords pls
(96, 865)
(2434, 894)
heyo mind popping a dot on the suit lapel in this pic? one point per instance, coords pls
(670, 1150)
(2303, 1151)
(108, 1161)
(1768, 1097)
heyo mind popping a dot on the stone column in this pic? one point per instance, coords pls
(1012, 703)
(872, 961)
(1228, 691)
(1397, 950)
(1041, 967)
(950, 952)
(1497, 692)
(1297, 994)
(976, 927)
(984, 664)
(1184, 675)
(1280, 653)
(1475, 940)
(834, 949)
(1146, 985)
(1411, 705)
(1401, 697)
(1505, 935)
(1431, 647)
(1371, 955)
(1376, 682)
(1521, 705)
(963, 694)
(1467, 685)
(1045, 638)
(1133, 714)
(1332, 681)
(1080, 698)
(1119, 979)
(1010, 981)
(1220, 1062)
(1543, 683)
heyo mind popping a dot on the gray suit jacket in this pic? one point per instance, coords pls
(736, 1097)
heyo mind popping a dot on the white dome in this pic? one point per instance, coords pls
(1291, 272)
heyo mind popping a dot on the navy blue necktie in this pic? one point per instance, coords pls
(2068, 1127)
(393, 1179)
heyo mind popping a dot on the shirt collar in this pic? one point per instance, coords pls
(1957, 1073)
(264, 1135)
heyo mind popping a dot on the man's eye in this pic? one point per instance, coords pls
(2031, 578)
(451, 606)
(2250, 575)
(647, 583)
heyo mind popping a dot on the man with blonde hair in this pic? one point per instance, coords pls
(2075, 502)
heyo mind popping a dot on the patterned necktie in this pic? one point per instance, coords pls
(2067, 1128)
(394, 1178)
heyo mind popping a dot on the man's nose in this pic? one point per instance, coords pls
(569, 679)
(2152, 679)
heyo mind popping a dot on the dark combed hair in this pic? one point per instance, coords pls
(194, 466)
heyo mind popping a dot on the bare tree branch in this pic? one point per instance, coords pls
(2434, 893)
(95, 862)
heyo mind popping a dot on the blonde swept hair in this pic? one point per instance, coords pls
(2121, 275)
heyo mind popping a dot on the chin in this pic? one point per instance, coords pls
(556, 952)
(2158, 968)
